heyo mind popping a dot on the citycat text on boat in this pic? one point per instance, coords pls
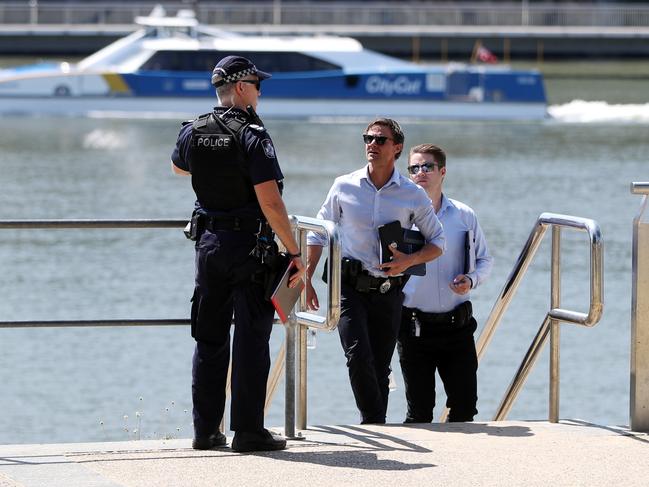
(401, 85)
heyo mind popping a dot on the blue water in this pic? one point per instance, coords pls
(61, 385)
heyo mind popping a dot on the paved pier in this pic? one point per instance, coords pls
(514, 453)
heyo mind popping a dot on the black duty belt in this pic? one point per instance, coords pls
(458, 317)
(231, 223)
(367, 283)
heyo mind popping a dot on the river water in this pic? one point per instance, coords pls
(61, 385)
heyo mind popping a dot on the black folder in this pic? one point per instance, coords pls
(407, 241)
(469, 252)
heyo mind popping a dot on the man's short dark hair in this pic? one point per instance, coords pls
(439, 156)
(395, 128)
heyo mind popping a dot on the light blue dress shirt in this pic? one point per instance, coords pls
(360, 208)
(431, 293)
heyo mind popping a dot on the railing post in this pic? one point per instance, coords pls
(289, 394)
(302, 349)
(555, 302)
(302, 377)
(639, 390)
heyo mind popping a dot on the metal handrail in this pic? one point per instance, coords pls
(555, 315)
(90, 224)
(640, 188)
(302, 319)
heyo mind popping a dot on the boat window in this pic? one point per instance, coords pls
(180, 61)
(274, 62)
(280, 62)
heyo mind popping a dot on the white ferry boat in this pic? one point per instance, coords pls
(165, 66)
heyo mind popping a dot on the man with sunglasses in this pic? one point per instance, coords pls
(371, 294)
(239, 207)
(437, 323)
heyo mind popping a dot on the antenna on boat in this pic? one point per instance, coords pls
(158, 11)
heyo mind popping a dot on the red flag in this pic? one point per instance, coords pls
(484, 55)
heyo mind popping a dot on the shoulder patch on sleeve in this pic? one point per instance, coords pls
(269, 150)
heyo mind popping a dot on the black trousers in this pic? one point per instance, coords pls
(449, 350)
(368, 329)
(223, 287)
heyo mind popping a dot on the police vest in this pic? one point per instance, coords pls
(220, 174)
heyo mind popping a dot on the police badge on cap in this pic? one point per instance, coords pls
(233, 68)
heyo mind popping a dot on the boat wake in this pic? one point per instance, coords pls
(580, 111)
(103, 139)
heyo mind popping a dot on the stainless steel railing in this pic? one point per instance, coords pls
(300, 321)
(295, 344)
(90, 224)
(639, 373)
(555, 315)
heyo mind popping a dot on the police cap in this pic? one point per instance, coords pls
(233, 68)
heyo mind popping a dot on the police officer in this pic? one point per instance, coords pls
(238, 183)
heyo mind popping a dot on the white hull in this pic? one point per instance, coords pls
(153, 107)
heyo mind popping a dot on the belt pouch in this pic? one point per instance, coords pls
(196, 227)
(349, 269)
(462, 314)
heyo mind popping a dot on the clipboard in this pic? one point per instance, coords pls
(284, 297)
(407, 241)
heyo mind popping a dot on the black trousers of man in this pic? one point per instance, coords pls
(368, 329)
(224, 286)
(450, 350)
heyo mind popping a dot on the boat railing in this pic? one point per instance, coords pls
(639, 373)
(556, 315)
(292, 354)
(337, 13)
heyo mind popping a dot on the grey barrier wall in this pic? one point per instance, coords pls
(336, 13)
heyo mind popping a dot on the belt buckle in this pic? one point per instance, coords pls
(385, 286)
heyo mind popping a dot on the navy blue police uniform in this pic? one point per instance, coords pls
(227, 154)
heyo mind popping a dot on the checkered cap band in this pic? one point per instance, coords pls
(231, 78)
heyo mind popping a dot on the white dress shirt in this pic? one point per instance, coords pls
(431, 293)
(360, 208)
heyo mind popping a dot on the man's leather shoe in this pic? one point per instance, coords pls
(262, 440)
(216, 440)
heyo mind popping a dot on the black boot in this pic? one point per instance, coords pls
(215, 440)
(262, 440)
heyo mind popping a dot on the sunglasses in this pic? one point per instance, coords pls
(256, 82)
(379, 139)
(427, 167)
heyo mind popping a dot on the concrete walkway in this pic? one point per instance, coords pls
(571, 453)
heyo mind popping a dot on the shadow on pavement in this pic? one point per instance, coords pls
(471, 428)
(361, 460)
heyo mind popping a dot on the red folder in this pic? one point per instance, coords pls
(284, 297)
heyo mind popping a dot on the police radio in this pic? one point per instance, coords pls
(253, 116)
